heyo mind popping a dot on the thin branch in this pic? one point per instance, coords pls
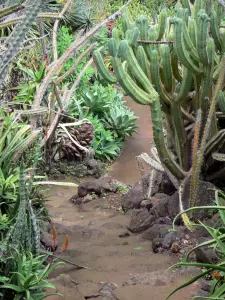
(76, 83)
(57, 96)
(43, 42)
(55, 28)
(52, 127)
(76, 45)
(222, 2)
(73, 68)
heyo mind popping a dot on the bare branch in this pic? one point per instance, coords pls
(222, 2)
(76, 45)
(73, 68)
(76, 83)
(55, 28)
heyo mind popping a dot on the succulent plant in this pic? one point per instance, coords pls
(175, 66)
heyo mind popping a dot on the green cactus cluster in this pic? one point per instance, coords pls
(14, 41)
(25, 230)
(176, 67)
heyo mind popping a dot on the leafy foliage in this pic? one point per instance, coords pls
(27, 278)
(106, 147)
(32, 81)
(121, 121)
(214, 271)
(112, 119)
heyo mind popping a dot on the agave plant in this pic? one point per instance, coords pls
(121, 120)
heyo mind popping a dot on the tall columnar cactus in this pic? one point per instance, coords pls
(12, 44)
(176, 79)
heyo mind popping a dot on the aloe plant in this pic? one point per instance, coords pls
(176, 79)
(28, 277)
(215, 271)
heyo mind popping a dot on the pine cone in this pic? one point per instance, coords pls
(84, 134)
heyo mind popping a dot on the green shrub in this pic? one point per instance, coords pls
(24, 276)
(216, 272)
(106, 147)
(121, 121)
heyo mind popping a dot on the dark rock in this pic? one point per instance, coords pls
(47, 242)
(205, 285)
(169, 239)
(146, 204)
(107, 184)
(166, 186)
(76, 200)
(157, 244)
(205, 254)
(89, 187)
(154, 278)
(217, 221)
(190, 271)
(88, 198)
(201, 293)
(133, 198)
(173, 236)
(107, 290)
(89, 290)
(141, 220)
(92, 233)
(92, 164)
(161, 209)
(165, 220)
(112, 226)
(156, 231)
(124, 234)
(175, 248)
(200, 231)
(169, 206)
(145, 180)
(46, 227)
(97, 187)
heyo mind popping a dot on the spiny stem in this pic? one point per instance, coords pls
(194, 179)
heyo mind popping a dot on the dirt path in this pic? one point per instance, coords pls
(125, 168)
(120, 268)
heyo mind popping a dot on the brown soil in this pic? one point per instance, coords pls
(125, 168)
(94, 242)
(120, 268)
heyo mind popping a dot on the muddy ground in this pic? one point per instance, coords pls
(121, 268)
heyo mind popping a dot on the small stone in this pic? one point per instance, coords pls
(141, 220)
(88, 198)
(157, 244)
(169, 239)
(187, 237)
(201, 293)
(205, 254)
(205, 285)
(175, 248)
(124, 234)
(146, 204)
(125, 243)
(47, 242)
(92, 164)
(157, 230)
(133, 198)
(164, 220)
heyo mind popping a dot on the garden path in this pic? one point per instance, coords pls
(120, 268)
